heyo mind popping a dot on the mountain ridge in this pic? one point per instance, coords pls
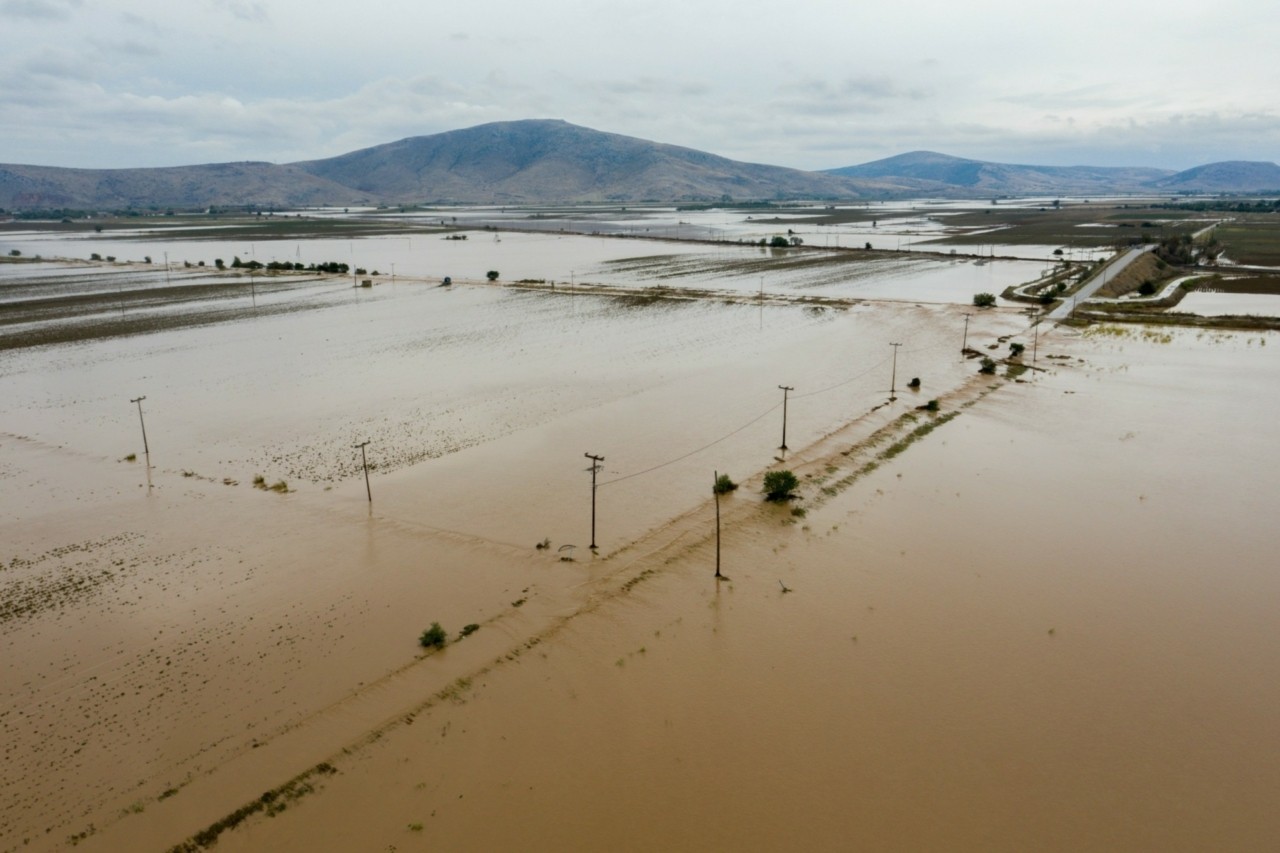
(540, 161)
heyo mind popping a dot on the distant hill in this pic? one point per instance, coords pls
(182, 187)
(1233, 176)
(549, 160)
(947, 175)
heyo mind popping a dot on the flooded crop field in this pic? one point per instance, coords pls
(1001, 607)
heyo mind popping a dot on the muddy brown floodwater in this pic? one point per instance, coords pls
(1041, 618)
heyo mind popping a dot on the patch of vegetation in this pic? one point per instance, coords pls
(434, 637)
(468, 630)
(724, 485)
(984, 300)
(780, 485)
(1016, 349)
(988, 366)
(272, 803)
(492, 275)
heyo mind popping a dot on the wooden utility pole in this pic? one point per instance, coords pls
(715, 490)
(893, 378)
(145, 449)
(964, 344)
(786, 389)
(365, 462)
(595, 468)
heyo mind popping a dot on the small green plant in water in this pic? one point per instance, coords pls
(468, 630)
(779, 485)
(434, 637)
(988, 366)
(724, 485)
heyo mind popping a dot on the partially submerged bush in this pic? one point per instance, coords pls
(984, 300)
(724, 485)
(988, 366)
(779, 485)
(434, 637)
(1016, 349)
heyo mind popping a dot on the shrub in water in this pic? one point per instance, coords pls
(434, 637)
(724, 485)
(778, 485)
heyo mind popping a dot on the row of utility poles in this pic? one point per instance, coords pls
(596, 459)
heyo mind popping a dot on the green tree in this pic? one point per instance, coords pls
(492, 275)
(984, 300)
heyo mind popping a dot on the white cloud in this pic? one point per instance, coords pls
(819, 84)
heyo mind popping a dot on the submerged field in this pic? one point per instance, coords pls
(1034, 613)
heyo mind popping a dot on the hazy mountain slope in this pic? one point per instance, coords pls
(264, 184)
(550, 160)
(979, 177)
(1232, 176)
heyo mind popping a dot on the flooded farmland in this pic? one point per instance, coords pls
(1035, 613)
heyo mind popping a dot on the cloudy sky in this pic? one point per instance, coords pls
(810, 84)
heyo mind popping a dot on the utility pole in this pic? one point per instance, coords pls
(166, 269)
(716, 491)
(1035, 345)
(786, 389)
(893, 378)
(365, 462)
(145, 448)
(964, 344)
(595, 468)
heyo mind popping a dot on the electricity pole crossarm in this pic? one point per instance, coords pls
(595, 469)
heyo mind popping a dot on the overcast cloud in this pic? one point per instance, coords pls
(812, 84)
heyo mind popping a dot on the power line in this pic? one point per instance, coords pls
(707, 446)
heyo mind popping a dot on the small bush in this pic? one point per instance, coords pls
(988, 366)
(1016, 349)
(468, 630)
(492, 275)
(779, 485)
(14, 253)
(724, 485)
(914, 383)
(434, 637)
(1147, 289)
(931, 406)
(984, 300)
